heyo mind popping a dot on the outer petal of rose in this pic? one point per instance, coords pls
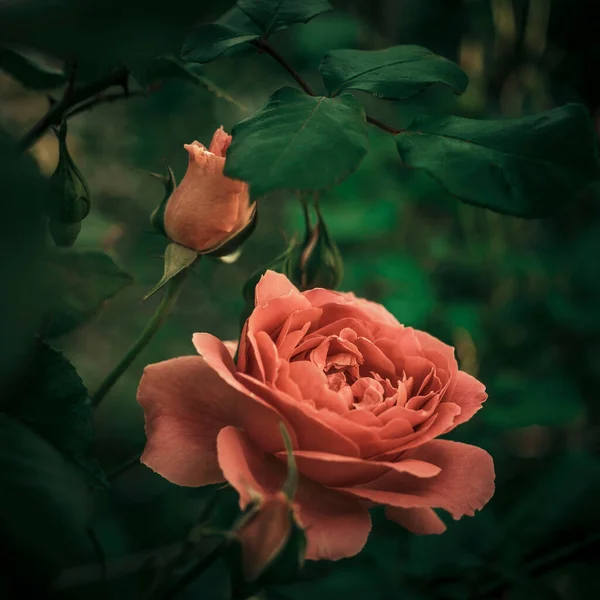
(185, 405)
(464, 485)
(220, 142)
(274, 285)
(469, 394)
(203, 210)
(259, 418)
(336, 526)
(429, 343)
(342, 471)
(422, 521)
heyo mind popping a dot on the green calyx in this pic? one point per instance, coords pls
(157, 218)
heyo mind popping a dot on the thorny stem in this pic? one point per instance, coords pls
(105, 99)
(173, 289)
(263, 46)
(72, 97)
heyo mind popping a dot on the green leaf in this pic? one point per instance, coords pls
(298, 142)
(86, 279)
(273, 15)
(54, 403)
(529, 167)
(210, 41)
(29, 70)
(177, 259)
(396, 73)
(44, 505)
(164, 68)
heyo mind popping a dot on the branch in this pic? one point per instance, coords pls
(105, 99)
(73, 96)
(383, 126)
(263, 46)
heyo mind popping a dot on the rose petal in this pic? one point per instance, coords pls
(371, 310)
(422, 521)
(439, 423)
(336, 526)
(311, 431)
(259, 418)
(275, 285)
(464, 485)
(313, 385)
(220, 142)
(185, 406)
(469, 394)
(341, 471)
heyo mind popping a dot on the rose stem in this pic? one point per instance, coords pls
(73, 96)
(263, 46)
(173, 288)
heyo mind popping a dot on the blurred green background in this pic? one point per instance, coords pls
(520, 300)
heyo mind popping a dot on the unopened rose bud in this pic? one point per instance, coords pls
(264, 534)
(316, 262)
(207, 211)
(68, 199)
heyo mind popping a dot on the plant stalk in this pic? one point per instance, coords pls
(172, 291)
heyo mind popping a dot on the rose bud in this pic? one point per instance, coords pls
(316, 262)
(67, 201)
(263, 533)
(207, 210)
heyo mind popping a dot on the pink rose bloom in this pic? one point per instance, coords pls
(362, 397)
(207, 208)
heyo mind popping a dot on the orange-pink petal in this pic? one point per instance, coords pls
(185, 405)
(336, 526)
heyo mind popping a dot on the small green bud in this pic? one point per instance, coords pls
(68, 199)
(64, 234)
(316, 262)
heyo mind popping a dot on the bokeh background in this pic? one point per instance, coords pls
(520, 300)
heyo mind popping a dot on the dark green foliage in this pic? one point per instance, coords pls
(22, 269)
(529, 167)
(211, 41)
(396, 73)
(283, 145)
(45, 505)
(55, 404)
(272, 15)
